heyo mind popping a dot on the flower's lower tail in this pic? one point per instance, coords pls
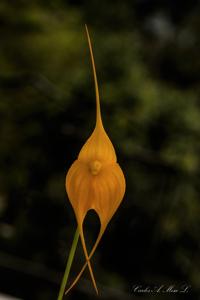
(87, 260)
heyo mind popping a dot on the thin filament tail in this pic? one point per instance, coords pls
(98, 109)
(86, 263)
(87, 260)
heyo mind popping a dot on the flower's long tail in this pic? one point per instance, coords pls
(87, 257)
(98, 108)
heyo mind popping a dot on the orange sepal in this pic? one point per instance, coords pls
(95, 180)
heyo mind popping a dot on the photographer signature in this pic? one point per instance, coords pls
(164, 289)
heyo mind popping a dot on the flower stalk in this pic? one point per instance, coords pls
(69, 264)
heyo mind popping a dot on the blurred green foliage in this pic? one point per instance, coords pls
(147, 58)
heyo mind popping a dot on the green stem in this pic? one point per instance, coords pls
(69, 264)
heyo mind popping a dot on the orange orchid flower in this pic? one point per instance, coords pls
(95, 180)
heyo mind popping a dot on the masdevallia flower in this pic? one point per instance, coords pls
(95, 180)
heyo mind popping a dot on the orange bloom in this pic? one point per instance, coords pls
(95, 180)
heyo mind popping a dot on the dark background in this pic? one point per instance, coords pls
(147, 58)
